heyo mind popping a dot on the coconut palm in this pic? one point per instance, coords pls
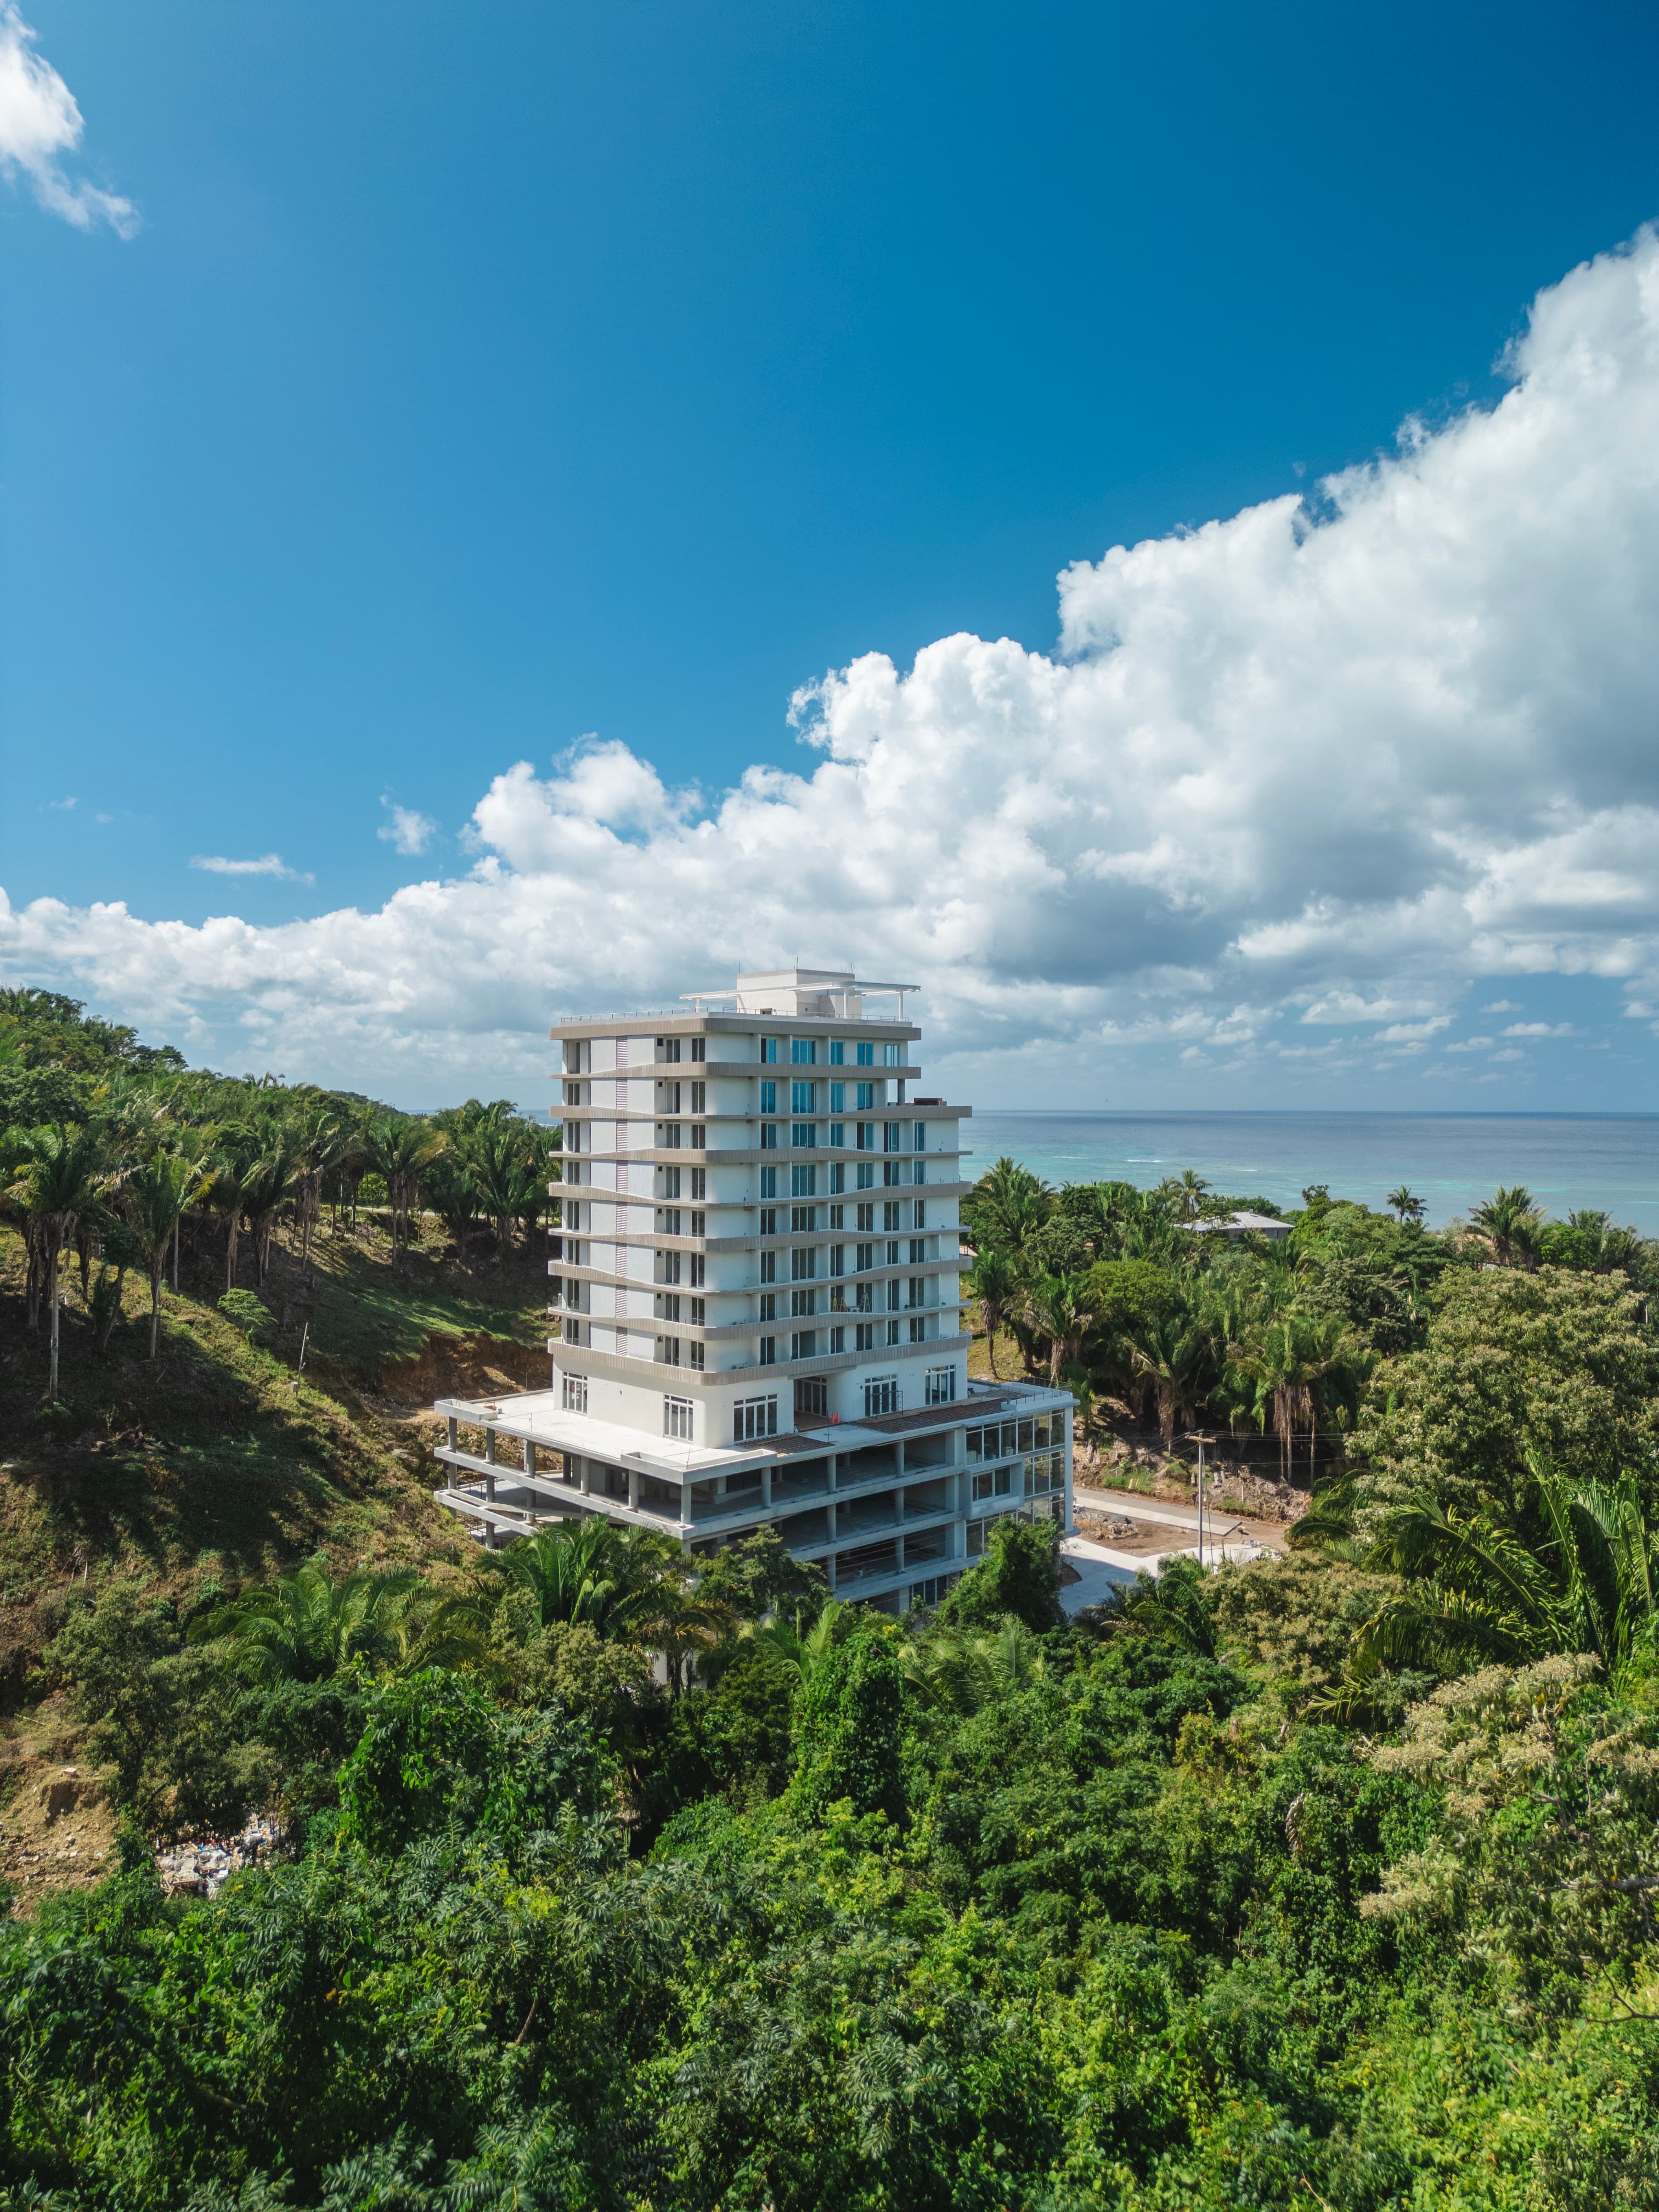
(1057, 1308)
(1405, 1203)
(306, 1625)
(1508, 1223)
(317, 1139)
(157, 1197)
(1290, 1364)
(508, 1177)
(993, 1282)
(267, 1184)
(400, 1149)
(61, 1173)
(1185, 1193)
(1007, 1206)
(1173, 1355)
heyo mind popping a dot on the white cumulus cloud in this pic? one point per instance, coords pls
(411, 833)
(269, 864)
(1320, 766)
(39, 123)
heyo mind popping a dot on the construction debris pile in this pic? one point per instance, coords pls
(202, 1869)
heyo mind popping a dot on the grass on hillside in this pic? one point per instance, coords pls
(216, 1462)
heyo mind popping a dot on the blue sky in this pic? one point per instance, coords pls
(474, 384)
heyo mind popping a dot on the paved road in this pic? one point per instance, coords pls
(1132, 1505)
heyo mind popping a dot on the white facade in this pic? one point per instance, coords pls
(756, 1296)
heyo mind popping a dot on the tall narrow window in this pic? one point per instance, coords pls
(769, 1052)
(676, 1418)
(939, 1386)
(752, 1418)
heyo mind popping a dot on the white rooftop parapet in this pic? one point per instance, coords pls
(820, 994)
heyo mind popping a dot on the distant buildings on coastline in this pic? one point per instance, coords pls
(1241, 1224)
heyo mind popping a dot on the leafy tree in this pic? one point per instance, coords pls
(1556, 1365)
(848, 1720)
(436, 1754)
(1019, 1576)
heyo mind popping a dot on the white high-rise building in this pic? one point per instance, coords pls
(756, 1296)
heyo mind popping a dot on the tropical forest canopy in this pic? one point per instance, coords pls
(600, 1882)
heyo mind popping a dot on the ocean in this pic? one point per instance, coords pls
(1452, 1161)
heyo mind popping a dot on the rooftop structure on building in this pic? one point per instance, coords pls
(756, 1301)
(1242, 1224)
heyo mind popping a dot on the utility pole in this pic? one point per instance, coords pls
(1198, 1484)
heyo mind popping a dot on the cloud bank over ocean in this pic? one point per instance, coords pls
(1300, 786)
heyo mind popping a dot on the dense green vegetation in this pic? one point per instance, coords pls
(1134, 1299)
(1327, 1881)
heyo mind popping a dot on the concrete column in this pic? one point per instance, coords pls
(766, 1485)
(829, 1514)
(633, 1490)
(455, 1432)
(586, 1466)
(490, 1454)
(834, 1464)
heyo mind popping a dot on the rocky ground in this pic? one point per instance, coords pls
(1136, 1464)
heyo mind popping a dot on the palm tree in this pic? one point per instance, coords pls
(400, 1149)
(1290, 1364)
(1173, 1606)
(593, 1571)
(992, 1281)
(157, 1196)
(1174, 1356)
(507, 1178)
(1407, 1204)
(1057, 1308)
(306, 1625)
(267, 1184)
(1477, 1591)
(317, 1140)
(802, 1652)
(1007, 1206)
(962, 1671)
(66, 1172)
(1508, 1223)
(1186, 1193)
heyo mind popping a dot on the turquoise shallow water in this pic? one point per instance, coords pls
(1451, 1161)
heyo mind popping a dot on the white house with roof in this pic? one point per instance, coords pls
(756, 1301)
